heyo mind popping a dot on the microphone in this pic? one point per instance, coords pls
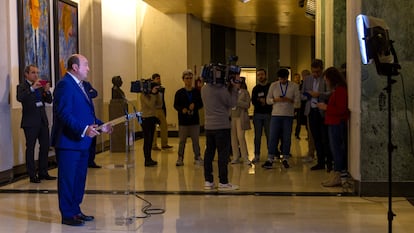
(137, 114)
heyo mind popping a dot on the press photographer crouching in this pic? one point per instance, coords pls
(219, 95)
(149, 99)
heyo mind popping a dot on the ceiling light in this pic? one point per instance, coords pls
(244, 1)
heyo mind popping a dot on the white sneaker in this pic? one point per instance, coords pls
(227, 187)
(208, 185)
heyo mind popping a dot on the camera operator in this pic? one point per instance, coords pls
(149, 100)
(218, 100)
(161, 114)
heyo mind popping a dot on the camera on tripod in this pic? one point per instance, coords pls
(217, 73)
(145, 86)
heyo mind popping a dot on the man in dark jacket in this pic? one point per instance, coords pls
(187, 102)
(33, 93)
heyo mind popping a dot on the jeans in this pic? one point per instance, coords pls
(280, 128)
(260, 122)
(338, 140)
(217, 139)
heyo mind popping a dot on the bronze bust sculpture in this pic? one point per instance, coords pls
(117, 92)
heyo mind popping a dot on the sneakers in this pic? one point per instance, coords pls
(221, 187)
(318, 167)
(166, 147)
(256, 159)
(199, 161)
(245, 161)
(307, 159)
(227, 187)
(208, 185)
(268, 164)
(179, 161)
(235, 161)
(285, 164)
(333, 180)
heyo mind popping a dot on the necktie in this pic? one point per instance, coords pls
(83, 90)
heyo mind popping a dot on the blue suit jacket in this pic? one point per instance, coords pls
(72, 112)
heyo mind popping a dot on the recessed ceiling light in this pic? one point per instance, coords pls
(244, 1)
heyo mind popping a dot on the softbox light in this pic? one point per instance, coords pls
(375, 44)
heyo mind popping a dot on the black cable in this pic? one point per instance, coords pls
(147, 210)
(406, 114)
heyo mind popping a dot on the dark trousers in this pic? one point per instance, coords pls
(148, 129)
(217, 139)
(320, 137)
(73, 168)
(300, 118)
(32, 134)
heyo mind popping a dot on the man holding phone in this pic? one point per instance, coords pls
(284, 96)
(33, 94)
(315, 90)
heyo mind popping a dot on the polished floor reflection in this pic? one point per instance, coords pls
(275, 200)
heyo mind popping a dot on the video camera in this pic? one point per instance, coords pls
(145, 86)
(219, 73)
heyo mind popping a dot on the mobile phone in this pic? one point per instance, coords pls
(43, 82)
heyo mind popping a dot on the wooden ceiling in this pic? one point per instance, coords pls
(271, 16)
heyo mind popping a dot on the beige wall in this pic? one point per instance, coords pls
(164, 51)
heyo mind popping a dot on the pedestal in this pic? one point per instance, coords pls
(117, 108)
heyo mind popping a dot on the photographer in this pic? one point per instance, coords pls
(161, 114)
(218, 99)
(149, 99)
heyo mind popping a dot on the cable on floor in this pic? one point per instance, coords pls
(147, 210)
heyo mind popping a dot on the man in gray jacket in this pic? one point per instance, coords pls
(218, 99)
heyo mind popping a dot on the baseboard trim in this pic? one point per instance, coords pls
(381, 189)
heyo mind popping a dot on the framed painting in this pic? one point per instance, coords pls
(66, 34)
(34, 36)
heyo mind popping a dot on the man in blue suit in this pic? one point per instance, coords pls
(74, 126)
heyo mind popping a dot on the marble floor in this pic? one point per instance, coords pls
(125, 196)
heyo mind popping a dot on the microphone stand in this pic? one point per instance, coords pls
(129, 166)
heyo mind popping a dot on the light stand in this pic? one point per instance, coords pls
(375, 45)
(389, 69)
